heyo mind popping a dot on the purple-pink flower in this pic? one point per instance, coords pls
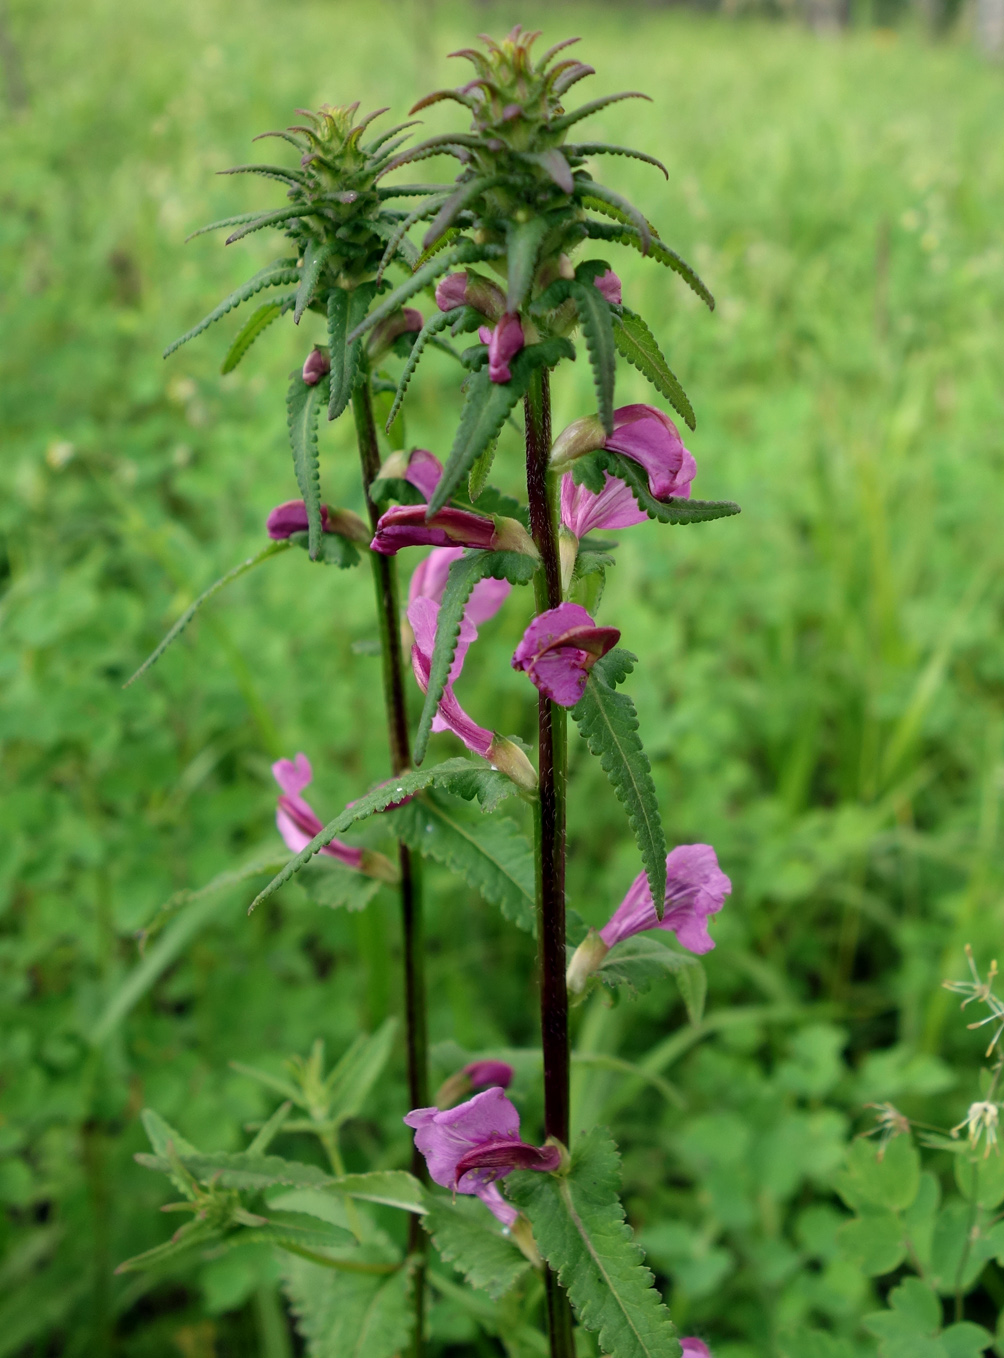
(451, 291)
(382, 336)
(483, 1074)
(470, 289)
(649, 437)
(407, 526)
(694, 1347)
(296, 819)
(291, 517)
(428, 581)
(504, 343)
(582, 510)
(318, 365)
(469, 1147)
(696, 888)
(610, 286)
(558, 650)
(423, 614)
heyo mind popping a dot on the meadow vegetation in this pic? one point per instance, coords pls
(822, 689)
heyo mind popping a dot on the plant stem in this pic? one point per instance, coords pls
(550, 827)
(416, 1031)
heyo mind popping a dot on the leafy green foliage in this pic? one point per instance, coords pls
(440, 320)
(464, 253)
(589, 470)
(303, 410)
(639, 346)
(516, 567)
(523, 242)
(638, 962)
(315, 258)
(274, 275)
(467, 1236)
(345, 311)
(348, 1315)
(598, 329)
(608, 722)
(258, 322)
(578, 1224)
(656, 249)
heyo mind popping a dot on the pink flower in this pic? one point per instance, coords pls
(694, 1348)
(382, 336)
(291, 517)
(407, 526)
(695, 889)
(423, 470)
(423, 614)
(470, 289)
(614, 507)
(468, 1147)
(649, 437)
(504, 343)
(429, 581)
(486, 1073)
(451, 291)
(296, 819)
(610, 286)
(558, 650)
(318, 365)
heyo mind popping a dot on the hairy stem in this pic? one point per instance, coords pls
(550, 827)
(416, 1031)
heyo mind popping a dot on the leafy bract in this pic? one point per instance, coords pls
(486, 408)
(440, 320)
(490, 854)
(464, 253)
(467, 1236)
(259, 321)
(637, 962)
(636, 342)
(588, 470)
(343, 1314)
(516, 567)
(608, 722)
(303, 409)
(523, 241)
(280, 272)
(315, 257)
(624, 234)
(598, 330)
(578, 1224)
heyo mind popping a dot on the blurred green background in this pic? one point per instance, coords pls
(821, 685)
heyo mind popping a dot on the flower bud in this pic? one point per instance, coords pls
(582, 436)
(377, 865)
(318, 365)
(511, 536)
(509, 759)
(585, 960)
(348, 525)
(451, 291)
(568, 550)
(610, 286)
(521, 1234)
(383, 335)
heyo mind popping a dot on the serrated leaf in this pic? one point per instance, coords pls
(638, 961)
(272, 549)
(477, 477)
(315, 257)
(389, 1187)
(346, 1314)
(296, 1229)
(608, 722)
(486, 408)
(588, 470)
(597, 328)
(602, 148)
(587, 110)
(658, 250)
(331, 884)
(303, 410)
(336, 550)
(405, 785)
(260, 321)
(578, 1224)
(466, 1236)
(455, 204)
(241, 1170)
(602, 199)
(358, 1070)
(441, 320)
(636, 342)
(346, 310)
(490, 786)
(467, 252)
(491, 855)
(523, 242)
(279, 272)
(274, 218)
(464, 574)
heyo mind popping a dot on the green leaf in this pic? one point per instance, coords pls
(980, 1179)
(523, 242)
(486, 408)
(240, 1169)
(350, 1082)
(270, 1129)
(578, 1224)
(346, 310)
(405, 785)
(162, 1135)
(588, 470)
(348, 1315)
(260, 321)
(491, 855)
(965, 1340)
(587, 110)
(279, 272)
(463, 576)
(335, 886)
(959, 1248)
(873, 1242)
(467, 252)
(315, 257)
(490, 786)
(272, 549)
(658, 250)
(274, 218)
(455, 204)
(602, 199)
(602, 148)
(639, 961)
(389, 1187)
(303, 409)
(692, 983)
(187, 1238)
(608, 722)
(440, 320)
(293, 1229)
(915, 1315)
(880, 1177)
(477, 477)
(466, 1236)
(336, 550)
(638, 345)
(598, 330)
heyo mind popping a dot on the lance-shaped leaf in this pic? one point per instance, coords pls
(264, 219)
(589, 470)
(189, 1237)
(489, 786)
(279, 273)
(395, 790)
(657, 250)
(455, 204)
(343, 1314)
(467, 1237)
(303, 409)
(467, 252)
(587, 110)
(609, 723)
(602, 148)
(273, 549)
(440, 320)
(260, 321)
(639, 346)
(315, 257)
(578, 1224)
(357, 1071)
(523, 240)
(295, 178)
(345, 312)
(516, 567)
(597, 327)
(599, 197)
(486, 409)
(490, 854)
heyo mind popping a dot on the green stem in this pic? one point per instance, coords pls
(416, 1030)
(550, 828)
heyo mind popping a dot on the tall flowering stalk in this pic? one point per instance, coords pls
(499, 261)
